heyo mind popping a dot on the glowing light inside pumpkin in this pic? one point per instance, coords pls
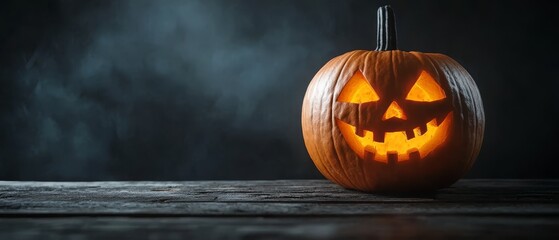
(425, 89)
(397, 142)
(358, 90)
(394, 111)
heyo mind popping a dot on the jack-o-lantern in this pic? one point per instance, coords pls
(390, 120)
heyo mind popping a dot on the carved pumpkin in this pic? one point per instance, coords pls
(391, 120)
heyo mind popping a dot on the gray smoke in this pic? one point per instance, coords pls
(169, 90)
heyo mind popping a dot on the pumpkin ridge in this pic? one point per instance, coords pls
(333, 120)
(320, 165)
(315, 91)
(477, 109)
(324, 74)
(470, 95)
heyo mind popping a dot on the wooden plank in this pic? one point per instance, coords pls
(374, 227)
(286, 209)
(132, 208)
(271, 198)
(277, 191)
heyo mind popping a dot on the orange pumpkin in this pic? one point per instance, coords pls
(391, 120)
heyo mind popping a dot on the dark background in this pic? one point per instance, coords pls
(183, 90)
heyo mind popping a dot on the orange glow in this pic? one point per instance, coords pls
(425, 89)
(358, 90)
(394, 110)
(397, 142)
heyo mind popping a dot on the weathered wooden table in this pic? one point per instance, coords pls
(299, 209)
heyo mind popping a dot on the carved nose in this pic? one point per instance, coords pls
(394, 111)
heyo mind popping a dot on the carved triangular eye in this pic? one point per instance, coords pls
(358, 90)
(425, 89)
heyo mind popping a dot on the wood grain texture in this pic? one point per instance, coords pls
(285, 209)
(370, 227)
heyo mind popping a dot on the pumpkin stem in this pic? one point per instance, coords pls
(386, 29)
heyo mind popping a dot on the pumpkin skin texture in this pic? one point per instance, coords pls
(393, 120)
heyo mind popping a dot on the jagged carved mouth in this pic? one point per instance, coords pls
(396, 145)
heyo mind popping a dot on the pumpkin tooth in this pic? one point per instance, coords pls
(410, 134)
(422, 129)
(378, 137)
(414, 154)
(439, 120)
(392, 157)
(359, 132)
(369, 153)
